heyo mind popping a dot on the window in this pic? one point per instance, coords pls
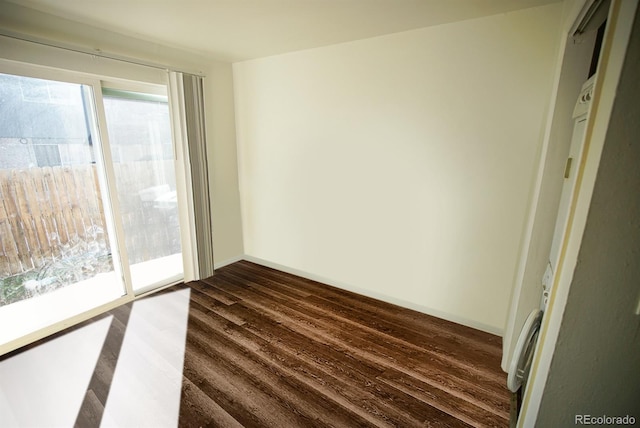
(142, 152)
(89, 212)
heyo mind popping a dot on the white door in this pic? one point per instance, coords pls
(570, 175)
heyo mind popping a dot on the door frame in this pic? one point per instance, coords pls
(619, 24)
(106, 174)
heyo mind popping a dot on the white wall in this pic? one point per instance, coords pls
(223, 164)
(400, 166)
(220, 122)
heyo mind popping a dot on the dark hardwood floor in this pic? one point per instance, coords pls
(265, 348)
(269, 349)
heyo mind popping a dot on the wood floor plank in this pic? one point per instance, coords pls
(199, 295)
(222, 295)
(420, 324)
(356, 398)
(440, 372)
(344, 383)
(197, 409)
(409, 318)
(473, 412)
(95, 399)
(280, 394)
(448, 347)
(91, 411)
(485, 393)
(300, 393)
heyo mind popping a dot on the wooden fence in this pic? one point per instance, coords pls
(44, 210)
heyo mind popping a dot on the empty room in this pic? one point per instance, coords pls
(301, 213)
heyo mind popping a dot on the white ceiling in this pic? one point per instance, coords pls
(236, 30)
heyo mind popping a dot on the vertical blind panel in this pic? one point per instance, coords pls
(194, 114)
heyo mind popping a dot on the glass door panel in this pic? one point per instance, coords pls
(57, 255)
(141, 146)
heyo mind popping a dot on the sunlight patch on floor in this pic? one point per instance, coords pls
(44, 386)
(147, 383)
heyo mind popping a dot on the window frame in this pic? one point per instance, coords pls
(95, 85)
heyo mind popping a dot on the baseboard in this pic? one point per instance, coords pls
(385, 298)
(223, 263)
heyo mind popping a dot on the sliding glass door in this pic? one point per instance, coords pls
(143, 158)
(88, 215)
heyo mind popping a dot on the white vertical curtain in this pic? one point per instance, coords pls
(187, 101)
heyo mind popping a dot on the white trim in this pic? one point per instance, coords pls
(134, 90)
(107, 178)
(588, 6)
(78, 63)
(157, 289)
(385, 298)
(228, 262)
(37, 71)
(92, 53)
(620, 23)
